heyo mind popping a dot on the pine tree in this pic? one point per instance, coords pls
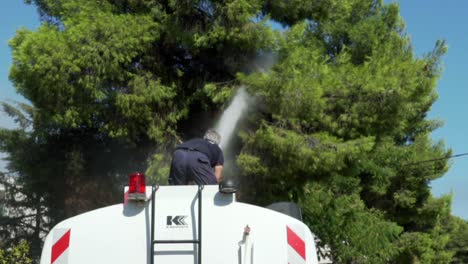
(339, 126)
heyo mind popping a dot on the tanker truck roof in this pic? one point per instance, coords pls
(170, 225)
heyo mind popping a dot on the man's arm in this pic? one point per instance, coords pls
(218, 171)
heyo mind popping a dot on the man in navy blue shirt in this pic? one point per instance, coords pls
(198, 160)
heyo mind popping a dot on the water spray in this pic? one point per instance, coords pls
(231, 116)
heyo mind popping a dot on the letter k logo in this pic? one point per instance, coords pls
(176, 220)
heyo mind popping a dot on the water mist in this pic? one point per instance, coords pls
(231, 116)
(230, 121)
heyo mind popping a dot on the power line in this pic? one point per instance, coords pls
(437, 159)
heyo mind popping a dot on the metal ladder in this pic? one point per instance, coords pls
(196, 241)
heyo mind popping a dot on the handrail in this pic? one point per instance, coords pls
(195, 241)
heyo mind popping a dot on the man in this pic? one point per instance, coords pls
(198, 160)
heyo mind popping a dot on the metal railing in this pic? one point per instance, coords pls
(195, 241)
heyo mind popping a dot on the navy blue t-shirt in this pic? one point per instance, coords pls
(211, 150)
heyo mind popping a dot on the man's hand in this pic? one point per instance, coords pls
(218, 171)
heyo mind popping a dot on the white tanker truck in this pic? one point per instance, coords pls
(180, 225)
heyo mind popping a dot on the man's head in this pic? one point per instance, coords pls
(212, 136)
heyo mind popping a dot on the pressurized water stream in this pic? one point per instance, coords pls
(231, 116)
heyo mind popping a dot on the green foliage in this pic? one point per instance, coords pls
(458, 242)
(294, 160)
(216, 93)
(112, 85)
(339, 125)
(354, 232)
(18, 254)
(158, 169)
(419, 247)
(344, 131)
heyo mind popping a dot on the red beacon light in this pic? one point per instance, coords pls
(137, 187)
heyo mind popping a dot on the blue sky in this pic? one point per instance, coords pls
(13, 15)
(426, 20)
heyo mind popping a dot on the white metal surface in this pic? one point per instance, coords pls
(121, 233)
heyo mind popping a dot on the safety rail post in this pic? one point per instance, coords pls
(153, 194)
(200, 188)
(195, 241)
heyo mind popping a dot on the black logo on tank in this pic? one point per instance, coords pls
(175, 221)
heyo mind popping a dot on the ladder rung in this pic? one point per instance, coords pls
(176, 242)
(196, 241)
